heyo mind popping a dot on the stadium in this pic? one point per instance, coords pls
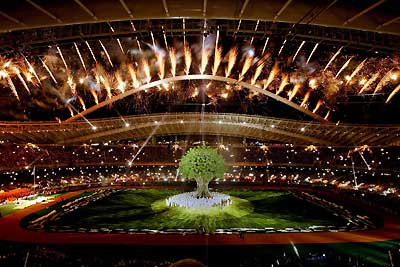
(199, 133)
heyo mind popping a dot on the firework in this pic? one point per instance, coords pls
(393, 93)
(94, 94)
(383, 81)
(80, 56)
(138, 44)
(313, 84)
(146, 69)
(283, 45)
(257, 73)
(294, 91)
(70, 110)
(284, 82)
(161, 65)
(49, 71)
(82, 102)
(231, 61)
(121, 84)
(246, 66)
(265, 45)
(317, 106)
(18, 73)
(120, 46)
(32, 70)
(106, 52)
(71, 84)
(356, 70)
(344, 66)
(217, 60)
(271, 76)
(172, 58)
(132, 72)
(369, 82)
(312, 52)
(12, 86)
(305, 99)
(298, 50)
(333, 58)
(327, 115)
(188, 59)
(91, 52)
(62, 58)
(152, 38)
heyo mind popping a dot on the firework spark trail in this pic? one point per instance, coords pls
(12, 86)
(62, 58)
(257, 73)
(172, 58)
(294, 91)
(18, 73)
(312, 52)
(146, 69)
(298, 50)
(265, 45)
(283, 45)
(106, 52)
(305, 99)
(356, 70)
(32, 70)
(120, 46)
(284, 82)
(344, 66)
(91, 52)
(138, 44)
(217, 60)
(152, 38)
(70, 110)
(327, 115)
(333, 58)
(231, 61)
(161, 65)
(188, 59)
(271, 76)
(383, 81)
(80, 56)
(95, 97)
(132, 72)
(165, 40)
(82, 102)
(317, 106)
(393, 93)
(120, 83)
(369, 82)
(246, 66)
(49, 71)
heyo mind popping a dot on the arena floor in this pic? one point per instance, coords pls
(10, 230)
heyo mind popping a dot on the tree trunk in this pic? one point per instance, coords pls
(202, 189)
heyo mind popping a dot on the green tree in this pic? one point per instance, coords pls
(202, 164)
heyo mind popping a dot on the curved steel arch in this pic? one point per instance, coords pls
(196, 77)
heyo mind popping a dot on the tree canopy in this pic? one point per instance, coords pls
(202, 163)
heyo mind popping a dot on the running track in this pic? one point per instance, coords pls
(10, 230)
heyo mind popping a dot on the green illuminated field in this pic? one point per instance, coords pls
(146, 209)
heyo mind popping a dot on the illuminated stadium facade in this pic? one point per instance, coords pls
(100, 101)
